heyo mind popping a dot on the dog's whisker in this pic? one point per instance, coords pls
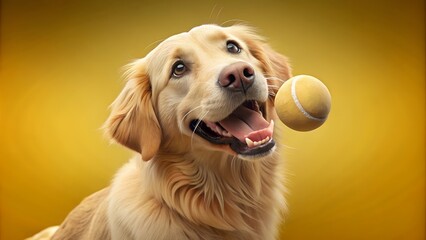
(272, 89)
(184, 116)
(211, 12)
(235, 22)
(218, 13)
(196, 126)
(275, 78)
(273, 86)
(154, 43)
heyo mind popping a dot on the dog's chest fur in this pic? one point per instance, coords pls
(229, 198)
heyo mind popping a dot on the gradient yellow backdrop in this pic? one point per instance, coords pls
(360, 176)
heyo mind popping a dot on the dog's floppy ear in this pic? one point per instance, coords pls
(133, 122)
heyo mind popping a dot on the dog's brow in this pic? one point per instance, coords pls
(209, 36)
(178, 53)
(217, 36)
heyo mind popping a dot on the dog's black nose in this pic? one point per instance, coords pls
(237, 77)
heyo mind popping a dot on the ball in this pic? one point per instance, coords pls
(303, 103)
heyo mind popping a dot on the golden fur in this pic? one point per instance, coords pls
(186, 187)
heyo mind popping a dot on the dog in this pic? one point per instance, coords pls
(199, 112)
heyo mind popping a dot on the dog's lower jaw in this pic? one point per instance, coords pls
(258, 157)
(208, 153)
(221, 154)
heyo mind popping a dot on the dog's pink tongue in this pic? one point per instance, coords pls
(246, 123)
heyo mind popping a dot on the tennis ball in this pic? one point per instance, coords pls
(303, 103)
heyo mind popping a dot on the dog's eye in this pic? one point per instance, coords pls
(233, 47)
(179, 69)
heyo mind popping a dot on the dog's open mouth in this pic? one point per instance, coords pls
(245, 130)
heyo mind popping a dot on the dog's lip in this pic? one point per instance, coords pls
(201, 129)
(245, 130)
(243, 149)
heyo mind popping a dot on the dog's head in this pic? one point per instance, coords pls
(211, 88)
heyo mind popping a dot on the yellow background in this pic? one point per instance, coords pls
(360, 176)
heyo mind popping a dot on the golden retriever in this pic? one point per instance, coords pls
(199, 110)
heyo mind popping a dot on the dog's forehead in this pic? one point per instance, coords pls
(201, 34)
(199, 37)
(209, 32)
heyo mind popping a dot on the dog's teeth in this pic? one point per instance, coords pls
(249, 142)
(227, 134)
(265, 140)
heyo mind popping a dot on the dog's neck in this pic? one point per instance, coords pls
(221, 187)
